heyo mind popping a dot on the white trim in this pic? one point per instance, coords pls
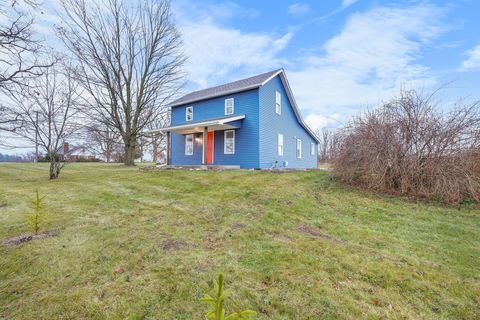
(295, 107)
(298, 148)
(280, 144)
(233, 106)
(225, 142)
(279, 95)
(200, 124)
(186, 113)
(280, 72)
(193, 144)
(272, 76)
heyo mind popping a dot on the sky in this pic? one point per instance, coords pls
(340, 56)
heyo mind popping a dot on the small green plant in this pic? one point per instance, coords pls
(37, 215)
(216, 303)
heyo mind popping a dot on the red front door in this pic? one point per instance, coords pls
(210, 148)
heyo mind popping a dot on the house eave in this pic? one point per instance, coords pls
(291, 98)
(216, 124)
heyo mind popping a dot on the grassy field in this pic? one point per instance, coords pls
(292, 246)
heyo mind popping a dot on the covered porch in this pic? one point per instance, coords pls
(206, 128)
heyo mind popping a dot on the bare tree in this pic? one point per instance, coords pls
(158, 140)
(45, 111)
(19, 51)
(103, 139)
(408, 146)
(130, 57)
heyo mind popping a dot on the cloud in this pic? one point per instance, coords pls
(298, 9)
(348, 3)
(473, 60)
(320, 121)
(220, 53)
(375, 53)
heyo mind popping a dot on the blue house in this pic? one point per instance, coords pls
(250, 123)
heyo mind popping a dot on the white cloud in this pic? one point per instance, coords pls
(473, 60)
(298, 9)
(215, 51)
(374, 54)
(319, 121)
(347, 3)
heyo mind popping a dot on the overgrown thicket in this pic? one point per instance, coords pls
(409, 146)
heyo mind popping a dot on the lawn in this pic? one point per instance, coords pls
(292, 246)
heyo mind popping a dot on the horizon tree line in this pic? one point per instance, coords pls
(122, 65)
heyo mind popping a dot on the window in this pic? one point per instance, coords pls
(278, 102)
(299, 149)
(229, 142)
(312, 148)
(189, 113)
(189, 144)
(229, 106)
(280, 144)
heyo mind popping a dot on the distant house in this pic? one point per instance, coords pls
(251, 123)
(77, 153)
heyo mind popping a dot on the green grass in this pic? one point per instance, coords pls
(292, 246)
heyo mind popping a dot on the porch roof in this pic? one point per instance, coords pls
(223, 123)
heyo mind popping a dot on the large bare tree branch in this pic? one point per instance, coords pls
(130, 61)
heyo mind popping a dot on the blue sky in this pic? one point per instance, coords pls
(340, 56)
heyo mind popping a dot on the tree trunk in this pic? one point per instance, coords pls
(130, 152)
(54, 169)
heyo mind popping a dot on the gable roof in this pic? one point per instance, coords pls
(224, 89)
(243, 85)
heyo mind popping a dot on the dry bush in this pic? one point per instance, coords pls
(409, 147)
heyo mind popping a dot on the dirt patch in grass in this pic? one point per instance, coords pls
(238, 226)
(281, 237)
(29, 237)
(174, 244)
(318, 234)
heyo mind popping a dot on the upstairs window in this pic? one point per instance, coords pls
(280, 144)
(299, 149)
(312, 148)
(189, 113)
(229, 106)
(189, 144)
(278, 103)
(229, 142)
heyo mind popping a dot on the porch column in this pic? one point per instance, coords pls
(205, 145)
(168, 147)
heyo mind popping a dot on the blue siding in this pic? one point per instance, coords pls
(246, 137)
(178, 156)
(271, 124)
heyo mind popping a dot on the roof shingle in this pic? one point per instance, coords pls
(236, 86)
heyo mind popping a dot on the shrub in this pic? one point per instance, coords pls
(409, 147)
(216, 302)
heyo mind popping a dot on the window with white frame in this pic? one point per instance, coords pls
(278, 102)
(229, 106)
(312, 148)
(280, 144)
(299, 149)
(189, 144)
(189, 113)
(229, 142)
